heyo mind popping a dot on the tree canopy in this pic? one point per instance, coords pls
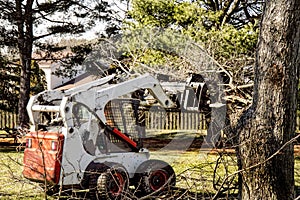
(227, 30)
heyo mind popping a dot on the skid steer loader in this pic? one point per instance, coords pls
(80, 139)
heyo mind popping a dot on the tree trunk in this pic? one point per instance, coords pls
(25, 40)
(269, 124)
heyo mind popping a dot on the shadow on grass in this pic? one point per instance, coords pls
(6, 147)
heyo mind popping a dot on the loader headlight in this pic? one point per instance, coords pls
(54, 145)
(28, 143)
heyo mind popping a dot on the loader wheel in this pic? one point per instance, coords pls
(109, 184)
(154, 175)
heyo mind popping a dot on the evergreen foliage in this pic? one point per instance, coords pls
(198, 21)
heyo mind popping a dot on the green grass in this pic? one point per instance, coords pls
(194, 172)
(12, 183)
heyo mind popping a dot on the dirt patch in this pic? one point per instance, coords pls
(172, 144)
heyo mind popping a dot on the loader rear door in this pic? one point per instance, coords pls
(42, 156)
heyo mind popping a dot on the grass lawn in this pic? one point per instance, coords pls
(194, 170)
(12, 184)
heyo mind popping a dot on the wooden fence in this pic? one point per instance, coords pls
(154, 120)
(8, 120)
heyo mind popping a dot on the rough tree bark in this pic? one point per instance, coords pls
(270, 123)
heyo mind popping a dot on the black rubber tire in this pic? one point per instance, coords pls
(50, 190)
(111, 183)
(154, 175)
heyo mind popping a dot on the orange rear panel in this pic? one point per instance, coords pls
(40, 160)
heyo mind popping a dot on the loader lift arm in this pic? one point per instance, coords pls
(98, 99)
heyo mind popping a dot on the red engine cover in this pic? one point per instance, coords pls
(42, 156)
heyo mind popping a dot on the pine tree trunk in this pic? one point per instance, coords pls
(24, 92)
(269, 124)
(25, 41)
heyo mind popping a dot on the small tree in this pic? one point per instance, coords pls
(266, 129)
